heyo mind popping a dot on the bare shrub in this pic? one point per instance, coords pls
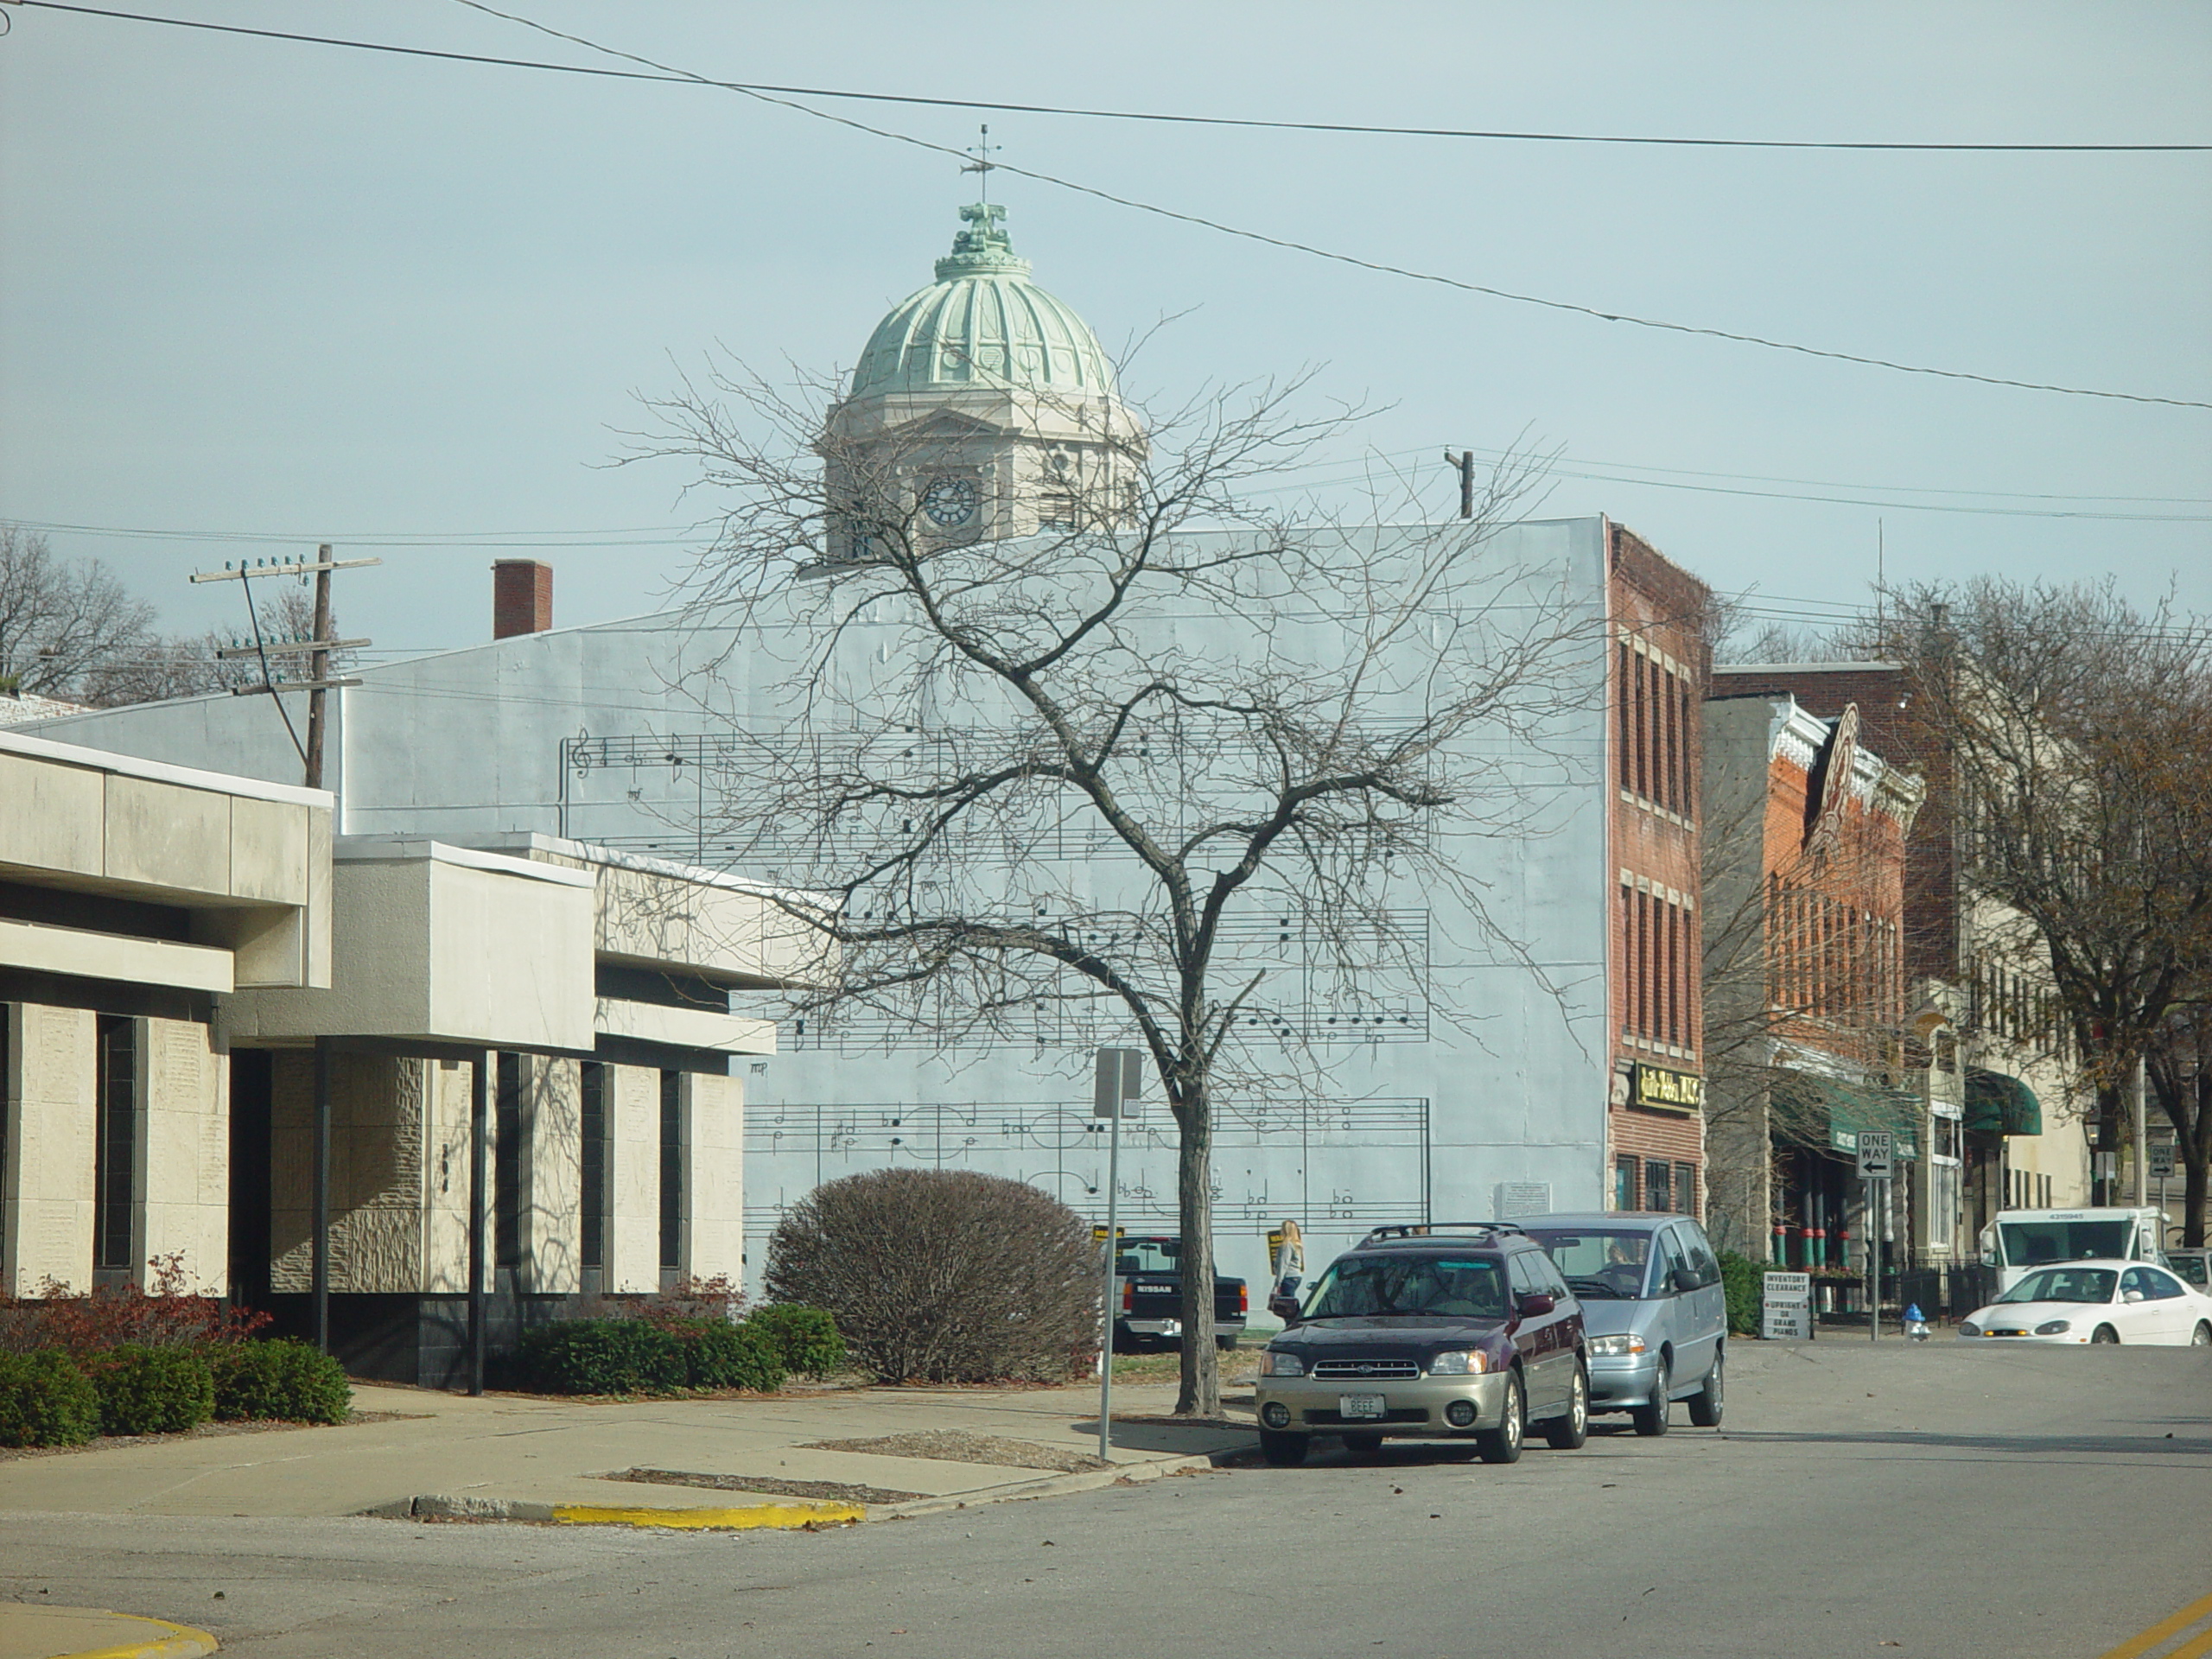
(943, 1275)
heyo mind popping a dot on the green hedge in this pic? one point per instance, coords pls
(46, 1401)
(719, 1355)
(805, 1338)
(288, 1380)
(1741, 1276)
(152, 1390)
(603, 1356)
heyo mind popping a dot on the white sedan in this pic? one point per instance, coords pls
(2096, 1301)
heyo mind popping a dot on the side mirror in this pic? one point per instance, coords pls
(2131, 1296)
(1989, 1258)
(1284, 1308)
(1535, 1302)
(1684, 1279)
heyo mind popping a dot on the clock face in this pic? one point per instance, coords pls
(950, 501)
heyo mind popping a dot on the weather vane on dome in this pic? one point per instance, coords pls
(983, 163)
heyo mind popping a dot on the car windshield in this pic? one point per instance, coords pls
(2029, 1244)
(1599, 1262)
(2063, 1285)
(1444, 1288)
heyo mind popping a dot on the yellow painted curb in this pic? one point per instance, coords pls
(167, 1640)
(787, 1515)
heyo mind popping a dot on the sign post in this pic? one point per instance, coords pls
(1877, 1148)
(2161, 1170)
(1119, 1080)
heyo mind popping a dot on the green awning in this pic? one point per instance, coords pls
(1827, 1113)
(1999, 1104)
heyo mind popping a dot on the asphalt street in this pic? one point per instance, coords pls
(1861, 1500)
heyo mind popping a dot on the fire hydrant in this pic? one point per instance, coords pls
(1915, 1324)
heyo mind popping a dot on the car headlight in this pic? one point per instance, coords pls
(1462, 1363)
(1615, 1347)
(1969, 1328)
(2053, 1327)
(1275, 1362)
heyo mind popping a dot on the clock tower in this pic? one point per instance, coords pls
(982, 408)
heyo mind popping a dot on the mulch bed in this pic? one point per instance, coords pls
(205, 1432)
(957, 1445)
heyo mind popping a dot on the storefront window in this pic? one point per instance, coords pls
(1623, 1183)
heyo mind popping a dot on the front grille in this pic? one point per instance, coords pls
(1367, 1370)
(1319, 1417)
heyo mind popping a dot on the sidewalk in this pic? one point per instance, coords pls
(31, 1631)
(554, 1459)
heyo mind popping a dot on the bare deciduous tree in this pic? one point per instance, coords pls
(61, 624)
(1244, 720)
(2078, 731)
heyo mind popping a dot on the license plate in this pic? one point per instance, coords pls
(1360, 1405)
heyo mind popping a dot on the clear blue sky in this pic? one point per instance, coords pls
(255, 286)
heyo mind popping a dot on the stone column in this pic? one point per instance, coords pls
(634, 1180)
(186, 1148)
(714, 1176)
(45, 1210)
(552, 1176)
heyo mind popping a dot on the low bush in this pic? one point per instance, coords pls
(805, 1338)
(287, 1380)
(46, 1401)
(167, 1316)
(603, 1356)
(1740, 1277)
(943, 1275)
(719, 1355)
(152, 1390)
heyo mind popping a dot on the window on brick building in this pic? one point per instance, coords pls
(1658, 1184)
(1623, 1183)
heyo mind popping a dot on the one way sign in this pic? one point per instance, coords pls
(1875, 1151)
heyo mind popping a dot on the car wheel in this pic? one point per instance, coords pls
(1652, 1418)
(1227, 1344)
(1705, 1404)
(1571, 1426)
(1283, 1451)
(2104, 1334)
(1503, 1444)
(2202, 1337)
(1363, 1443)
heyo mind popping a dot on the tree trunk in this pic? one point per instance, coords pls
(1199, 1393)
(2195, 1170)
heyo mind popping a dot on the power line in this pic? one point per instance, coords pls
(1160, 117)
(778, 97)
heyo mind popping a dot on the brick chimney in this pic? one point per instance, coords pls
(522, 597)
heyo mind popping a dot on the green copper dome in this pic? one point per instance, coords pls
(982, 325)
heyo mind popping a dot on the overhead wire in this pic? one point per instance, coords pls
(785, 99)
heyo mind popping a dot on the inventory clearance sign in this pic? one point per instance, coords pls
(1661, 1090)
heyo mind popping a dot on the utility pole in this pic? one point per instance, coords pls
(1464, 464)
(317, 648)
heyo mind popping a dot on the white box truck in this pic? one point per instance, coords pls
(2020, 1239)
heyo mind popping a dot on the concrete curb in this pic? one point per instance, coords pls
(788, 1515)
(142, 1637)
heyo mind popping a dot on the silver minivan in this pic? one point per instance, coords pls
(1653, 1309)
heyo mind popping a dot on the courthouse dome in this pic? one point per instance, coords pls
(982, 326)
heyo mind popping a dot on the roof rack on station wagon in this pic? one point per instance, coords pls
(1427, 1229)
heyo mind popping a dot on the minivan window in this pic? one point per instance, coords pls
(1671, 1259)
(1600, 1262)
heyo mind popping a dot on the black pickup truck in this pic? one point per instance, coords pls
(1148, 1275)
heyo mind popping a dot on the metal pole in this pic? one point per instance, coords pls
(2143, 1146)
(1106, 1304)
(479, 1115)
(320, 1280)
(1877, 1189)
(1870, 1250)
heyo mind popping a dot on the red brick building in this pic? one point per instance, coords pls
(1657, 670)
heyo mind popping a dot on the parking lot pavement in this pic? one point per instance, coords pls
(1862, 1500)
(548, 1453)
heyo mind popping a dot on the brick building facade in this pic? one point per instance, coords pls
(1658, 668)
